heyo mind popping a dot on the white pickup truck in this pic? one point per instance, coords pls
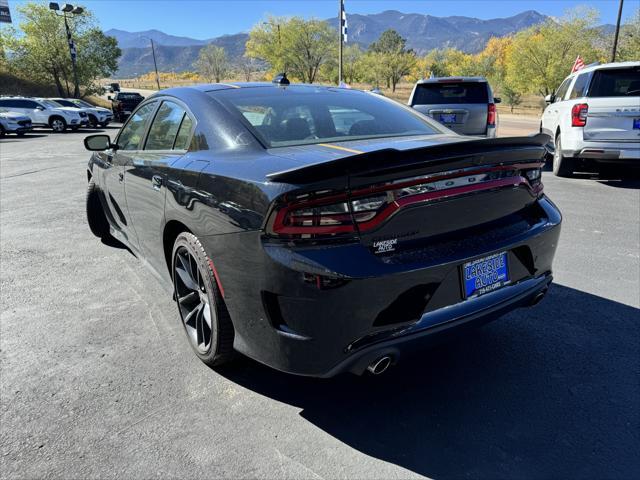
(594, 117)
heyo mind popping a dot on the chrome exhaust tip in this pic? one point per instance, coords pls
(538, 298)
(379, 366)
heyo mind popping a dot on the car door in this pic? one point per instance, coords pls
(553, 112)
(147, 176)
(130, 142)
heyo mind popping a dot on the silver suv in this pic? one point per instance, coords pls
(44, 113)
(466, 105)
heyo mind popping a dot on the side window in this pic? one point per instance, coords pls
(32, 105)
(131, 134)
(562, 90)
(184, 134)
(5, 103)
(165, 126)
(580, 86)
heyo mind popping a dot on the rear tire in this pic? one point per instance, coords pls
(204, 315)
(562, 166)
(58, 124)
(96, 218)
(1, 131)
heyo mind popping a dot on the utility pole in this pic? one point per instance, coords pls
(155, 64)
(615, 38)
(340, 36)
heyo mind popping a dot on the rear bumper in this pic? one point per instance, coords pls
(620, 152)
(437, 326)
(319, 311)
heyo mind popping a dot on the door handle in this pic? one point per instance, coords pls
(156, 182)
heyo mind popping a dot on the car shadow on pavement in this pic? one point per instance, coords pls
(13, 138)
(545, 392)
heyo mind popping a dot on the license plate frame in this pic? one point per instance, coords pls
(485, 275)
(448, 118)
(636, 123)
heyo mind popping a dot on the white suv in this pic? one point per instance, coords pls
(594, 117)
(97, 116)
(44, 113)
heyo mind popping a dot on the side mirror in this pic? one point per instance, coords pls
(39, 108)
(109, 97)
(497, 100)
(98, 143)
(549, 98)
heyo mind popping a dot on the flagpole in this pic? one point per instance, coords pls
(615, 38)
(340, 33)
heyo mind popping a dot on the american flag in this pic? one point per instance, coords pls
(343, 27)
(578, 64)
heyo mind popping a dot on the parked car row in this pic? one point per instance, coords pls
(21, 114)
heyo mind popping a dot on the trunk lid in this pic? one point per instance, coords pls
(465, 119)
(613, 97)
(615, 119)
(392, 199)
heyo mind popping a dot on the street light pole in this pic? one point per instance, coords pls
(615, 38)
(72, 51)
(71, 10)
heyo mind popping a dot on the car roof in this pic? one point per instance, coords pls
(604, 66)
(212, 87)
(452, 79)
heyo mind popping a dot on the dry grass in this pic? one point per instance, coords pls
(99, 101)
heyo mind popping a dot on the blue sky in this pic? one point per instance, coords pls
(205, 19)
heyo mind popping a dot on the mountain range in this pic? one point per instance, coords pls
(423, 33)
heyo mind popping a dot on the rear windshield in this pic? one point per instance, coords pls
(615, 82)
(128, 96)
(306, 115)
(450, 93)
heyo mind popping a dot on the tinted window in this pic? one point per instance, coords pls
(184, 134)
(579, 86)
(450, 93)
(128, 96)
(306, 115)
(131, 134)
(66, 103)
(6, 103)
(618, 82)
(164, 127)
(562, 90)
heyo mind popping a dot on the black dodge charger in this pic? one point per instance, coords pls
(320, 230)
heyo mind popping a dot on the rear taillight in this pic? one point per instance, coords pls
(579, 114)
(491, 115)
(330, 214)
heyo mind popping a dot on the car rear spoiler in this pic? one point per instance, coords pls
(472, 152)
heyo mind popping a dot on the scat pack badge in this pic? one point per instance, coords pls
(384, 246)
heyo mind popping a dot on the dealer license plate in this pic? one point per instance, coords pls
(485, 275)
(448, 118)
(636, 123)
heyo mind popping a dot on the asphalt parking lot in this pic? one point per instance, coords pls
(98, 380)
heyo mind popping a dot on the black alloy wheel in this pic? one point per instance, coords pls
(201, 306)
